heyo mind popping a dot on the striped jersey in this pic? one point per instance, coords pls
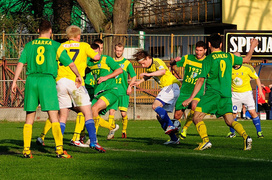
(122, 79)
(192, 69)
(105, 66)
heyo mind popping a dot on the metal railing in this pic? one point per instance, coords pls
(160, 46)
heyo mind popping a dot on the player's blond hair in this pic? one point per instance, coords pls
(73, 31)
(119, 45)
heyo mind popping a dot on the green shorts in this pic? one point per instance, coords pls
(214, 103)
(41, 89)
(182, 97)
(122, 103)
(109, 97)
(90, 90)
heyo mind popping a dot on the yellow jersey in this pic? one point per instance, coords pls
(165, 80)
(241, 78)
(78, 52)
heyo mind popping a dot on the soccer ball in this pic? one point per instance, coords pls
(176, 123)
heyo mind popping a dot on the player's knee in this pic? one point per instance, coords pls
(154, 106)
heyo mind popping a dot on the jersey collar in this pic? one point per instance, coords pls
(119, 59)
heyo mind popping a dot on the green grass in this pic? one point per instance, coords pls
(141, 156)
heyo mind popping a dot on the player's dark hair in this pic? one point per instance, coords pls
(215, 40)
(44, 26)
(98, 41)
(140, 54)
(201, 44)
(94, 46)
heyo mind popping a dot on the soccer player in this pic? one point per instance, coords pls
(106, 92)
(79, 133)
(40, 88)
(192, 68)
(69, 96)
(217, 69)
(166, 99)
(124, 89)
(242, 94)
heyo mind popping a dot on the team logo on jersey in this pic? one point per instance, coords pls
(161, 67)
(237, 81)
(99, 65)
(193, 75)
(122, 66)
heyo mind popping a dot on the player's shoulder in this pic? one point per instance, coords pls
(189, 56)
(106, 58)
(249, 67)
(158, 60)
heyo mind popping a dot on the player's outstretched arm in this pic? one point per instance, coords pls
(197, 87)
(18, 71)
(253, 44)
(129, 90)
(115, 73)
(156, 73)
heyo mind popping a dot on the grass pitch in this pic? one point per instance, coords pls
(141, 156)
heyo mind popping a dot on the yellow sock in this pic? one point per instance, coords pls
(96, 122)
(83, 133)
(80, 122)
(189, 120)
(125, 123)
(56, 131)
(202, 131)
(112, 121)
(104, 123)
(46, 128)
(239, 129)
(27, 132)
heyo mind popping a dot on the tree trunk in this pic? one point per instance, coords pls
(95, 14)
(62, 14)
(100, 22)
(121, 10)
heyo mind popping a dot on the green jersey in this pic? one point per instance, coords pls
(105, 66)
(41, 56)
(192, 69)
(217, 68)
(122, 79)
(89, 78)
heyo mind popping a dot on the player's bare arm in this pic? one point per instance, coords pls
(78, 80)
(156, 73)
(259, 84)
(174, 61)
(97, 57)
(18, 71)
(112, 75)
(129, 89)
(253, 44)
(136, 83)
(198, 86)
